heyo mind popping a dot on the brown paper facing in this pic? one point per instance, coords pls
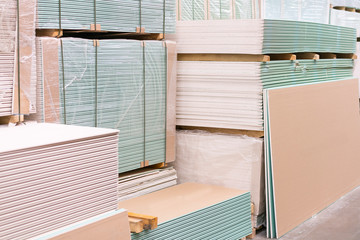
(315, 147)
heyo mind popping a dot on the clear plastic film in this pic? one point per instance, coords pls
(17, 57)
(346, 3)
(118, 84)
(297, 10)
(215, 9)
(346, 19)
(232, 161)
(151, 16)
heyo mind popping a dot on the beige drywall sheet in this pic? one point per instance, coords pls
(177, 201)
(315, 147)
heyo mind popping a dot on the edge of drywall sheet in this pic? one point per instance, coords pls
(270, 198)
(341, 192)
(89, 228)
(171, 101)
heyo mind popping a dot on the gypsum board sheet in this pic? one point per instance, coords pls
(195, 203)
(94, 228)
(132, 179)
(65, 192)
(124, 16)
(198, 10)
(145, 181)
(296, 11)
(22, 137)
(262, 37)
(309, 173)
(205, 90)
(75, 15)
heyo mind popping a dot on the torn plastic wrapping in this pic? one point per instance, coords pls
(297, 10)
(346, 19)
(357, 65)
(102, 85)
(346, 3)
(10, 48)
(232, 161)
(151, 16)
(215, 9)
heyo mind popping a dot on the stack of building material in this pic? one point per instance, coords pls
(316, 11)
(110, 225)
(323, 120)
(262, 37)
(189, 10)
(222, 94)
(17, 57)
(195, 211)
(232, 161)
(141, 182)
(55, 175)
(341, 17)
(119, 16)
(296, 10)
(127, 85)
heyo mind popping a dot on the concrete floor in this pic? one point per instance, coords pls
(340, 221)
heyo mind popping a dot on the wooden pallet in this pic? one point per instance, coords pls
(12, 119)
(261, 58)
(249, 133)
(99, 34)
(343, 8)
(140, 222)
(145, 164)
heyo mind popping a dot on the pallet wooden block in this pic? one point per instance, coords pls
(140, 222)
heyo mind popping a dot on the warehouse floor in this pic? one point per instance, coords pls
(340, 221)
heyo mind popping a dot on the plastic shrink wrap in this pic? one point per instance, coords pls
(296, 10)
(17, 57)
(151, 16)
(232, 161)
(121, 84)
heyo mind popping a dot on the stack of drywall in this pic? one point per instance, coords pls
(110, 225)
(346, 19)
(323, 119)
(316, 11)
(55, 175)
(195, 211)
(141, 182)
(232, 161)
(120, 16)
(121, 84)
(296, 10)
(229, 94)
(189, 10)
(262, 37)
(15, 45)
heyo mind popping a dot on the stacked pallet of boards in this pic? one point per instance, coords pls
(296, 10)
(116, 16)
(120, 84)
(55, 175)
(195, 211)
(221, 79)
(17, 58)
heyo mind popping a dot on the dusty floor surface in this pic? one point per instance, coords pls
(340, 221)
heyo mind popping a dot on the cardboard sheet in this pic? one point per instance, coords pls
(315, 148)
